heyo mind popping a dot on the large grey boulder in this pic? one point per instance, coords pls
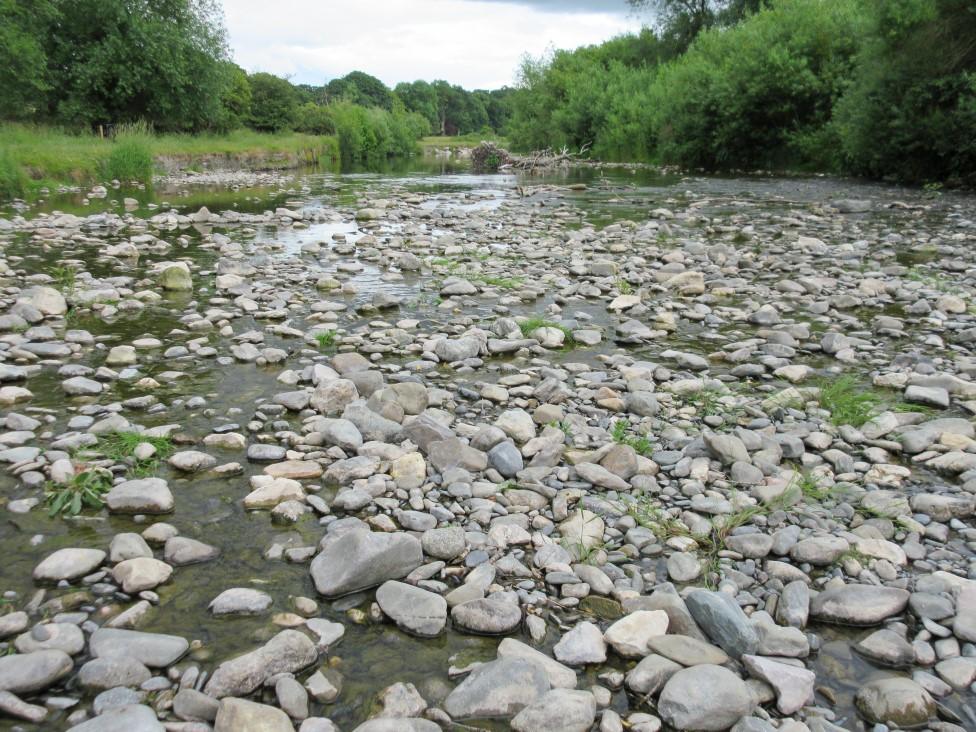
(719, 615)
(126, 718)
(360, 559)
(68, 564)
(704, 698)
(155, 650)
(286, 653)
(500, 688)
(241, 715)
(896, 699)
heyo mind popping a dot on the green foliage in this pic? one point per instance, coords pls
(13, 180)
(111, 61)
(24, 80)
(64, 279)
(759, 94)
(235, 99)
(374, 134)
(641, 445)
(131, 157)
(85, 490)
(360, 88)
(314, 119)
(911, 110)
(120, 446)
(273, 102)
(848, 401)
(530, 324)
(326, 339)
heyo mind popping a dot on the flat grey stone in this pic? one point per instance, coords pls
(154, 650)
(413, 609)
(360, 559)
(28, 672)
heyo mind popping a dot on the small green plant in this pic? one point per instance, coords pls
(326, 339)
(624, 287)
(564, 426)
(641, 445)
(85, 490)
(810, 487)
(707, 401)
(64, 279)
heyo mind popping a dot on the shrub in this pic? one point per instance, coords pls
(314, 119)
(758, 94)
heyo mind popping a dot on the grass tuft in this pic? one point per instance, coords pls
(120, 446)
(641, 445)
(848, 401)
(326, 339)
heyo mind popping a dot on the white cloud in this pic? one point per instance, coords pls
(469, 42)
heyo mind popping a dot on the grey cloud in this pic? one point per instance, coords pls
(614, 7)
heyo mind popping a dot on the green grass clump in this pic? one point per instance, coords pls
(86, 490)
(120, 446)
(13, 180)
(848, 402)
(64, 279)
(641, 445)
(624, 287)
(326, 339)
(530, 324)
(131, 158)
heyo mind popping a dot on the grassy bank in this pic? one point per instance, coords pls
(472, 139)
(32, 157)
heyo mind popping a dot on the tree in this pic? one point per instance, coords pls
(420, 97)
(910, 112)
(680, 21)
(362, 89)
(273, 102)
(235, 98)
(125, 60)
(23, 58)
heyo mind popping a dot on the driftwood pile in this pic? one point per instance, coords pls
(489, 157)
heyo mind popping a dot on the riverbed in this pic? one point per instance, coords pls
(780, 263)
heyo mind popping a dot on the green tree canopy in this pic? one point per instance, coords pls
(362, 89)
(273, 102)
(124, 60)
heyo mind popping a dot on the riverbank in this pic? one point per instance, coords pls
(32, 158)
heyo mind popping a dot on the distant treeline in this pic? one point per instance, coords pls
(85, 63)
(881, 88)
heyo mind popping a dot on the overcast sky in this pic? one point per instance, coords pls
(474, 43)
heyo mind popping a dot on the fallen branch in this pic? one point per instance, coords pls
(488, 157)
